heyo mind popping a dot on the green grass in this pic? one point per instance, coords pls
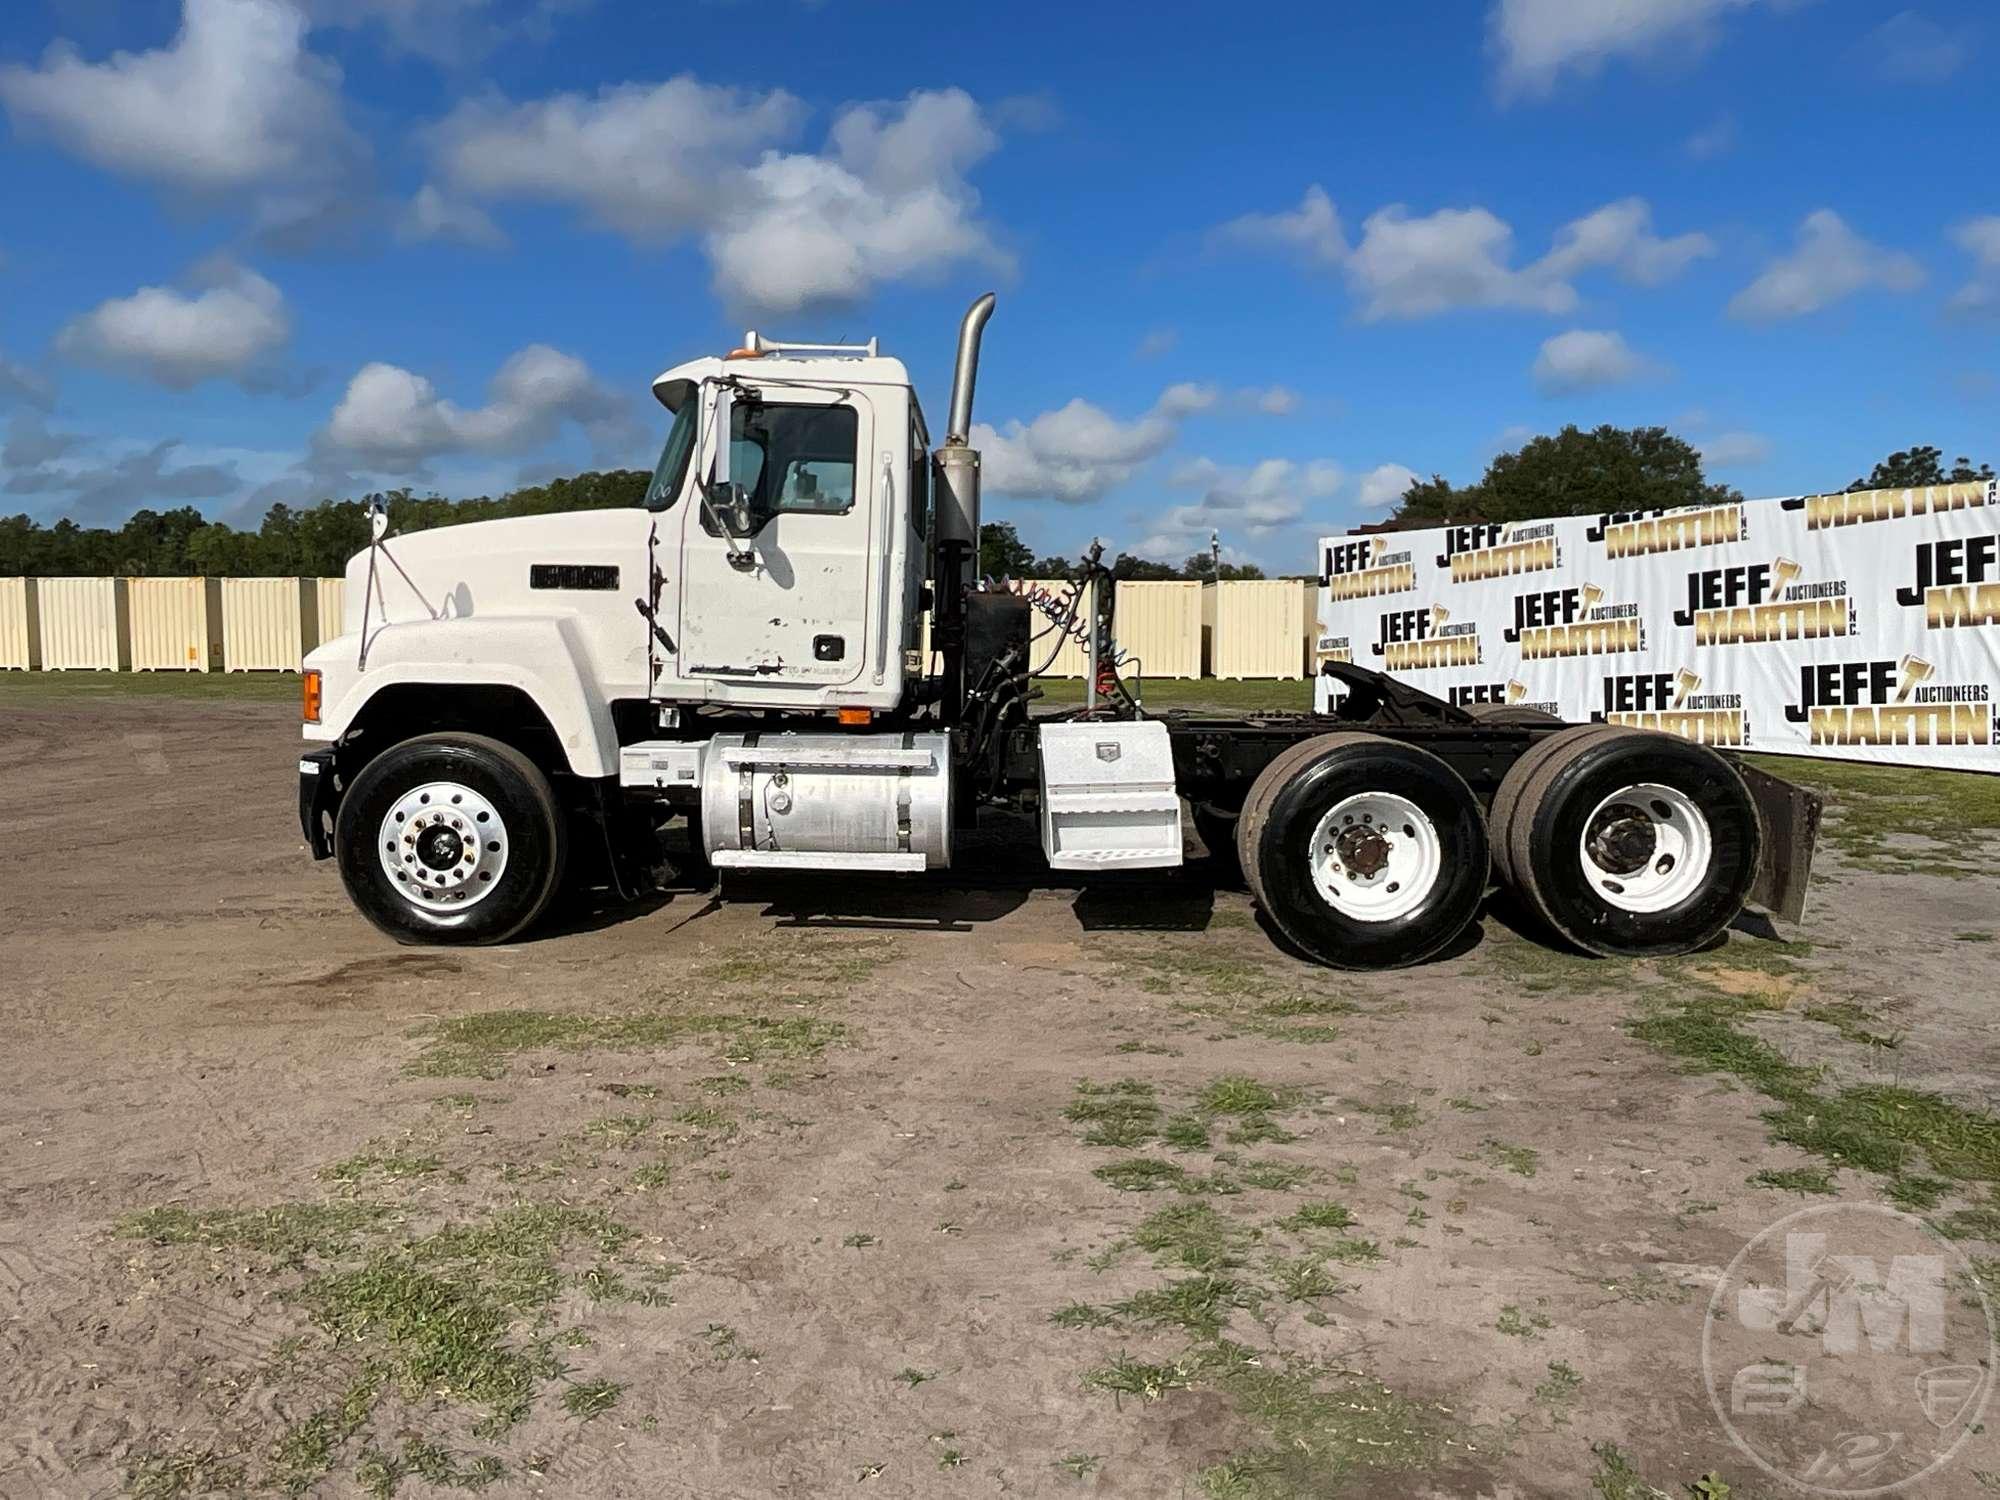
(391, 1162)
(1322, 1215)
(1954, 813)
(482, 1045)
(288, 1232)
(588, 1399)
(185, 1471)
(1922, 1143)
(1804, 1180)
(1522, 1161)
(1192, 1235)
(449, 1316)
(1123, 1114)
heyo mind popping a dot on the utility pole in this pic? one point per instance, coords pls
(1215, 557)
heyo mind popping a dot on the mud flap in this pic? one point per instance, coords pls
(1790, 815)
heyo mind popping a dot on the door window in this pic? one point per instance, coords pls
(799, 459)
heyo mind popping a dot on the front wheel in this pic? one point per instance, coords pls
(450, 838)
(1364, 852)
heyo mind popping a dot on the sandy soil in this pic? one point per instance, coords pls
(829, 1124)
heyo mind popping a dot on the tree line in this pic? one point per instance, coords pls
(1573, 472)
(1578, 473)
(306, 542)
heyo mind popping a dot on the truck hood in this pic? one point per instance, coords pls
(517, 565)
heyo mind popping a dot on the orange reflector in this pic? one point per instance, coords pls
(742, 354)
(857, 716)
(309, 708)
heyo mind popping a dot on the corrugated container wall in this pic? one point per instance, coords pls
(332, 596)
(176, 624)
(1159, 626)
(86, 624)
(1070, 655)
(20, 626)
(266, 623)
(1256, 628)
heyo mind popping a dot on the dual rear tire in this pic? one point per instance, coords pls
(1368, 853)
(1626, 843)
(1365, 853)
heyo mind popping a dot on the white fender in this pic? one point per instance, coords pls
(542, 655)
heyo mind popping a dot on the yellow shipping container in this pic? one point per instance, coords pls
(85, 624)
(176, 624)
(20, 626)
(266, 623)
(331, 597)
(1257, 627)
(1158, 625)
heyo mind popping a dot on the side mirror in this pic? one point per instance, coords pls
(723, 420)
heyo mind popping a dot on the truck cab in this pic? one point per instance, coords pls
(788, 528)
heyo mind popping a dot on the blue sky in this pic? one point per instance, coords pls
(1254, 266)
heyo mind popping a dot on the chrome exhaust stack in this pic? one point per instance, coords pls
(965, 373)
(955, 502)
(956, 484)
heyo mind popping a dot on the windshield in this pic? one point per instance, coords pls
(672, 467)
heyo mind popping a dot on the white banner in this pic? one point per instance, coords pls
(1861, 626)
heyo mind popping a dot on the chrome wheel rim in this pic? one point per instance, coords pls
(443, 846)
(1376, 857)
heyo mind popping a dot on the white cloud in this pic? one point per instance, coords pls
(1311, 232)
(1829, 262)
(1254, 501)
(233, 105)
(1911, 48)
(1537, 40)
(392, 421)
(1079, 452)
(1409, 266)
(1273, 400)
(446, 30)
(1383, 485)
(1734, 450)
(106, 487)
(1586, 359)
(886, 199)
(1158, 341)
(224, 331)
(1979, 297)
(19, 382)
(1717, 138)
(431, 215)
(889, 201)
(647, 160)
(31, 443)
(1620, 238)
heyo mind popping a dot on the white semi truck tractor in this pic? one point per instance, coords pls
(513, 701)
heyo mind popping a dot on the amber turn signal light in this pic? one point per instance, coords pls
(857, 716)
(309, 692)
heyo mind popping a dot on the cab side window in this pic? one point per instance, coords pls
(799, 459)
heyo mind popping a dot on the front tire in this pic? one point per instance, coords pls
(1364, 852)
(450, 839)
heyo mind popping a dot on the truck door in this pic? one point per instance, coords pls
(775, 583)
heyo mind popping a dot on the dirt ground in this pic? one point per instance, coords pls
(988, 1186)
